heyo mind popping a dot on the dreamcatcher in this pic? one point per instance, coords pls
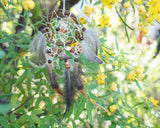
(64, 35)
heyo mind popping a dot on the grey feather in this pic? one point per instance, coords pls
(38, 49)
(91, 38)
(52, 76)
(77, 77)
(89, 54)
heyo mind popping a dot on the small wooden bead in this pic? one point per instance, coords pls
(76, 60)
(65, 60)
(67, 66)
(49, 61)
(83, 29)
(57, 29)
(71, 50)
(81, 38)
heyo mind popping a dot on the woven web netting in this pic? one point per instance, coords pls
(63, 32)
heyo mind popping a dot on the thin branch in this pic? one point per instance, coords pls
(20, 105)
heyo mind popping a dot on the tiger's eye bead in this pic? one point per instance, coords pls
(81, 38)
(76, 60)
(67, 66)
(57, 29)
(49, 61)
(63, 30)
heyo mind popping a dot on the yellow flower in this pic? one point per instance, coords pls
(92, 100)
(139, 1)
(113, 108)
(84, 80)
(127, 4)
(115, 63)
(109, 113)
(104, 21)
(1, 11)
(138, 69)
(82, 20)
(88, 10)
(145, 30)
(110, 99)
(28, 4)
(104, 2)
(76, 96)
(154, 102)
(131, 76)
(140, 76)
(101, 79)
(113, 86)
(126, 65)
(141, 9)
(124, 12)
(14, 1)
(18, 8)
(74, 44)
(90, 79)
(4, 3)
(109, 3)
(107, 52)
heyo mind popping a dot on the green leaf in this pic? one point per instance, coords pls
(14, 98)
(97, 3)
(123, 20)
(113, 125)
(80, 108)
(2, 53)
(22, 119)
(105, 118)
(116, 44)
(5, 11)
(20, 80)
(35, 119)
(82, 3)
(4, 108)
(137, 83)
(23, 46)
(4, 95)
(133, 7)
(4, 40)
(89, 111)
(4, 122)
(127, 34)
(74, 124)
(29, 79)
(91, 87)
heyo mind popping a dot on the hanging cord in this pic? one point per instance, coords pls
(63, 7)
